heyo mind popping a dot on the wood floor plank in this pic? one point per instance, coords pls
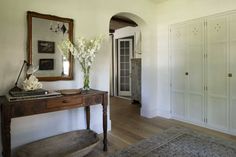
(129, 127)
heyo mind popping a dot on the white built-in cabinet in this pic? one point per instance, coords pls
(217, 80)
(232, 71)
(203, 72)
(187, 47)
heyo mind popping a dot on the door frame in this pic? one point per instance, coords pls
(124, 93)
(115, 63)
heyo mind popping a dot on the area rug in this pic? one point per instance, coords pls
(180, 142)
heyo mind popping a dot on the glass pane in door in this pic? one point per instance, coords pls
(124, 65)
(124, 56)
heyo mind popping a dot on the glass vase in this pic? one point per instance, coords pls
(86, 79)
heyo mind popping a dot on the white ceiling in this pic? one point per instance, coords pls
(158, 1)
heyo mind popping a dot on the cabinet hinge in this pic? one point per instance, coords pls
(206, 120)
(170, 30)
(205, 55)
(170, 84)
(206, 88)
(205, 23)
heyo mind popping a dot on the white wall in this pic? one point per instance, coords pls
(91, 17)
(174, 11)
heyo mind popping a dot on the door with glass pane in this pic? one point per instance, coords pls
(124, 68)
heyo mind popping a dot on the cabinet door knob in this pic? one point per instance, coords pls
(230, 75)
(186, 73)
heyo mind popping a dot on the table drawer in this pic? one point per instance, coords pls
(93, 100)
(27, 108)
(64, 102)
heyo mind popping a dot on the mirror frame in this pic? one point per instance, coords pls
(30, 15)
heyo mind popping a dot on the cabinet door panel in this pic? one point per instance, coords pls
(233, 115)
(178, 74)
(178, 51)
(196, 108)
(217, 94)
(232, 58)
(217, 112)
(217, 69)
(195, 63)
(178, 104)
(217, 29)
(195, 59)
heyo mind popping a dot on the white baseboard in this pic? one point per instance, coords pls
(232, 132)
(151, 113)
(123, 97)
(98, 127)
(164, 114)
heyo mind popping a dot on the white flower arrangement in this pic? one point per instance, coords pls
(84, 50)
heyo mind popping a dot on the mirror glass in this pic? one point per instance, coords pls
(45, 32)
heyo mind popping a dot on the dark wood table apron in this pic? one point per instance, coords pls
(30, 107)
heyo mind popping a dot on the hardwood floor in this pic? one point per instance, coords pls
(128, 127)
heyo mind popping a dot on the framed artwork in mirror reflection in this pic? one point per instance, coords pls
(46, 64)
(46, 46)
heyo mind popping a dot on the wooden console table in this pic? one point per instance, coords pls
(22, 108)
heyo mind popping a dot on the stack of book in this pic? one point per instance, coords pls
(29, 95)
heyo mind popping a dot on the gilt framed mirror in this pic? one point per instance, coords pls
(45, 32)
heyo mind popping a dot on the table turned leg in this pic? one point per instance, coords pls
(87, 109)
(104, 105)
(6, 135)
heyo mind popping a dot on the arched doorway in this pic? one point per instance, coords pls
(125, 72)
(126, 119)
(125, 79)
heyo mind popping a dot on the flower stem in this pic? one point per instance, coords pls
(86, 78)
